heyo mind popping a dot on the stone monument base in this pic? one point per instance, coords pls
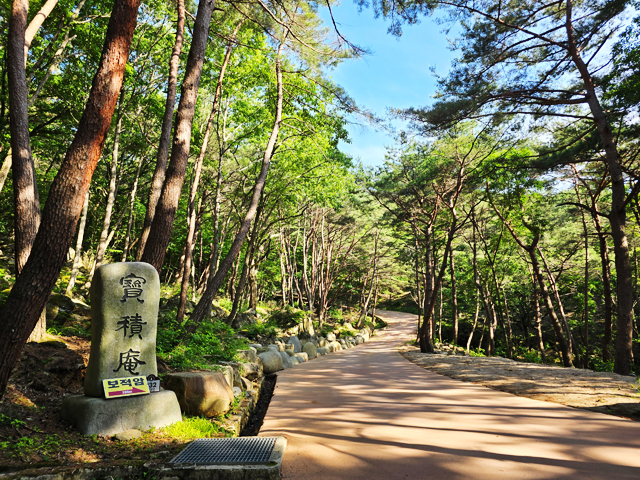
(98, 416)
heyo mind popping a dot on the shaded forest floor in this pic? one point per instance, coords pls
(602, 392)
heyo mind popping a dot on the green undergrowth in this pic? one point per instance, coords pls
(191, 428)
(212, 342)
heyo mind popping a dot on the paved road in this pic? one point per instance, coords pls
(367, 413)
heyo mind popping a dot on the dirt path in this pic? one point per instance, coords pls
(598, 391)
(368, 413)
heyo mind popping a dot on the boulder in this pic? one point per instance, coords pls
(364, 333)
(246, 384)
(331, 337)
(286, 362)
(237, 391)
(302, 357)
(245, 318)
(322, 351)
(311, 350)
(250, 355)
(294, 361)
(330, 347)
(359, 340)
(336, 346)
(62, 302)
(251, 370)
(201, 393)
(273, 348)
(322, 342)
(289, 350)
(257, 346)
(280, 345)
(297, 346)
(228, 373)
(218, 312)
(271, 361)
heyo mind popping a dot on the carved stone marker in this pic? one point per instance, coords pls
(124, 314)
(124, 318)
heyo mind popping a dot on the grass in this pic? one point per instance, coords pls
(195, 427)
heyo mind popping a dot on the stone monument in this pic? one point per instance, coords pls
(124, 316)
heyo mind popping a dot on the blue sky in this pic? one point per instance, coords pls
(395, 75)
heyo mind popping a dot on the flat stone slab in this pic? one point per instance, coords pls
(98, 416)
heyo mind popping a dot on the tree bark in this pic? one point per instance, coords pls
(29, 294)
(25, 189)
(165, 132)
(160, 232)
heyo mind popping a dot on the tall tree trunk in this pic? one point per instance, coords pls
(165, 132)
(557, 327)
(36, 23)
(454, 299)
(617, 215)
(475, 322)
(606, 287)
(197, 169)
(77, 259)
(538, 315)
(25, 189)
(113, 187)
(160, 232)
(132, 203)
(29, 294)
(4, 170)
(573, 347)
(216, 281)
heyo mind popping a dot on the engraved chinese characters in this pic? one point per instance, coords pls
(124, 309)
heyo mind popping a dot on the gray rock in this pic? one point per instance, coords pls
(271, 361)
(246, 384)
(257, 346)
(336, 346)
(286, 360)
(311, 350)
(252, 371)
(330, 347)
(331, 337)
(250, 355)
(98, 416)
(294, 361)
(228, 373)
(124, 311)
(302, 357)
(359, 340)
(297, 346)
(201, 393)
(128, 435)
(237, 391)
(322, 351)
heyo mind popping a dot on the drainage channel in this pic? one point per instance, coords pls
(252, 428)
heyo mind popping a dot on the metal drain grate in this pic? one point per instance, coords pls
(227, 451)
